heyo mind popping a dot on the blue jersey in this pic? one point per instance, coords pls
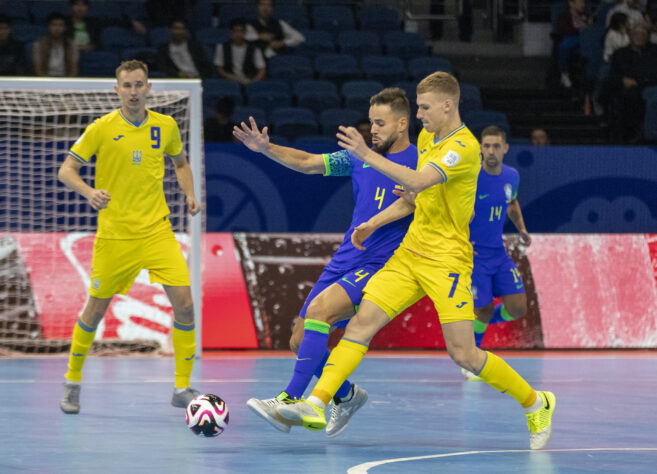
(372, 194)
(494, 194)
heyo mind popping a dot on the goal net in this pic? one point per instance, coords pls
(47, 231)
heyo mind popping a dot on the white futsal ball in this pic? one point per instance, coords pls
(207, 415)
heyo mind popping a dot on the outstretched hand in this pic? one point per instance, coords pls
(350, 139)
(360, 233)
(252, 138)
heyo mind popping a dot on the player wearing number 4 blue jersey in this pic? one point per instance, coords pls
(494, 273)
(338, 292)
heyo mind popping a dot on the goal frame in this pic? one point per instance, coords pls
(195, 156)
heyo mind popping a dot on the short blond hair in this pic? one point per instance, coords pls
(132, 65)
(442, 83)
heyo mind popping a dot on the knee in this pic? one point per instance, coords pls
(295, 342)
(318, 310)
(517, 308)
(184, 313)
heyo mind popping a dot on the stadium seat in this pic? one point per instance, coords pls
(410, 87)
(294, 14)
(316, 95)
(419, 68)
(214, 89)
(333, 18)
(115, 39)
(108, 12)
(358, 43)
(337, 67)
(40, 10)
(146, 54)
(27, 33)
(330, 143)
(212, 36)
(404, 44)
(601, 13)
(268, 85)
(330, 119)
(293, 122)
(649, 93)
(230, 11)
(650, 121)
(158, 36)
(98, 63)
(289, 67)
(477, 120)
(379, 19)
(269, 94)
(243, 112)
(357, 94)
(518, 141)
(385, 69)
(17, 10)
(201, 15)
(470, 99)
(317, 42)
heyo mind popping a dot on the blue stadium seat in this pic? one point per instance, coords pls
(477, 120)
(419, 68)
(158, 36)
(243, 112)
(17, 10)
(404, 44)
(293, 122)
(229, 11)
(114, 38)
(330, 119)
(330, 143)
(590, 48)
(385, 69)
(269, 94)
(649, 93)
(357, 94)
(268, 85)
(379, 19)
(201, 14)
(98, 63)
(212, 36)
(109, 12)
(316, 95)
(147, 54)
(289, 67)
(317, 42)
(294, 14)
(27, 32)
(518, 141)
(334, 18)
(650, 121)
(40, 10)
(470, 99)
(214, 89)
(358, 43)
(136, 10)
(337, 67)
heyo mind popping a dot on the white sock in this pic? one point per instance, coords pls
(70, 382)
(179, 390)
(537, 404)
(317, 402)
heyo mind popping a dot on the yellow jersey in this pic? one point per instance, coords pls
(130, 166)
(440, 229)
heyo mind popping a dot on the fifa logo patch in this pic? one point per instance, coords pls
(96, 283)
(507, 192)
(136, 157)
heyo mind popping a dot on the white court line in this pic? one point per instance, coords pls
(365, 467)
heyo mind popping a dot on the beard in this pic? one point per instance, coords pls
(382, 148)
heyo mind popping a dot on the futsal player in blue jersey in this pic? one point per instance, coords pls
(494, 273)
(338, 291)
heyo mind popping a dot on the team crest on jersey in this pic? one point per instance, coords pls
(136, 157)
(508, 190)
(451, 159)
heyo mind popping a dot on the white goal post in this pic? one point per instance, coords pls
(78, 89)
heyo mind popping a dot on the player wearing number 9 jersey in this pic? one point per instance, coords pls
(338, 291)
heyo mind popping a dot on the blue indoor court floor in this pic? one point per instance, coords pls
(421, 417)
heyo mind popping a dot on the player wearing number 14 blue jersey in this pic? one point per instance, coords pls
(338, 292)
(494, 273)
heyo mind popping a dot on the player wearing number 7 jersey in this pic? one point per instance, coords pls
(338, 291)
(434, 259)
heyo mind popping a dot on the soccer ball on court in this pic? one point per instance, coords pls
(207, 415)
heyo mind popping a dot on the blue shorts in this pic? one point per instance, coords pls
(494, 274)
(353, 281)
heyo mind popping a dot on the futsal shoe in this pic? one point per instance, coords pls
(470, 376)
(540, 421)
(302, 413)
(266, 409)
(70, 403)
(343, 410)
(182, 397)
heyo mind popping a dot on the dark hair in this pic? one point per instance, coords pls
(493, 131)
(237, 22)
(395, 98)
(618, 19)
(55, 16)
(4, 19)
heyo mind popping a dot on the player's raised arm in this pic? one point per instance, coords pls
(186, 182)
(515, 214)
(292, 158)
(69, 174)
(399, 209)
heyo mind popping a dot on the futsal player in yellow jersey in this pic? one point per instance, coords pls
(134, 232)
(435, 258)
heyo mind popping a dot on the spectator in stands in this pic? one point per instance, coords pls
(364, 127)
(539, 137)
(632, 69)
(84, 30)
(183, 56)
(12, 51)
(56, 54)
(617, 35)
(239, 60)
(630, 8)
(651, 21)
(569, 24)
(219, 127)
(273, 36)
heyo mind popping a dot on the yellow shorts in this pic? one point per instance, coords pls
(407, 277)
(116, 263)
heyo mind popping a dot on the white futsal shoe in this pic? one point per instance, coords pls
(342, 411)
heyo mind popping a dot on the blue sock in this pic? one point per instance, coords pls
(500, 315)
(310, 356)
(344, 389)
(479, 331)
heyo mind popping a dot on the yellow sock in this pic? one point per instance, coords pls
(341, 363)
(499, 375)
(83, 337)
(184, 349)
